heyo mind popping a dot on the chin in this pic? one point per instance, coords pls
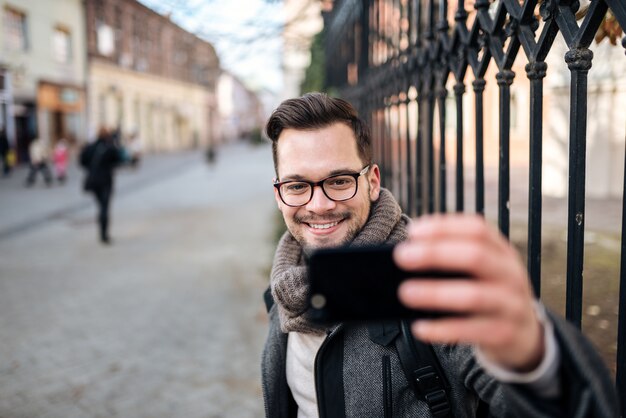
(314, 242)
(323, 243)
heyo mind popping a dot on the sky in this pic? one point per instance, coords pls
(246, 34)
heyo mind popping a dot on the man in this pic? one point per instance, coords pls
(505, 351)
(5, 148)
(100, 159)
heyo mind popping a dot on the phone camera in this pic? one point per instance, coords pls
(318, 301)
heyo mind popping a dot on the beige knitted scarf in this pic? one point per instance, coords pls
(288, 280)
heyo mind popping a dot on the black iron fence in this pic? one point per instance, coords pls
(400, 60)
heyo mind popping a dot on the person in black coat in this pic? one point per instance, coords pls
(4, 152)
(100, 160)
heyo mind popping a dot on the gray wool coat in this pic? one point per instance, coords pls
(356, 377)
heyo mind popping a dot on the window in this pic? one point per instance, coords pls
(106, 40)
(62, 44)
(15, 30)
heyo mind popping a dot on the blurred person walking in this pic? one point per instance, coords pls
(59, 158)
(38, 153)
(100, 160)
(4, 152)
(135, 147)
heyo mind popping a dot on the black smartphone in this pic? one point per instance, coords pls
(361, 284)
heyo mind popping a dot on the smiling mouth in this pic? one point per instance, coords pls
(323, 226)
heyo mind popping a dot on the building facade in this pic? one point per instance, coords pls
(149, 76)
(242, 113)
(42, 72)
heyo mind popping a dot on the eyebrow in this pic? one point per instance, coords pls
(297, 177)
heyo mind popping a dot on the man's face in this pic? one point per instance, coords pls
(312, 156)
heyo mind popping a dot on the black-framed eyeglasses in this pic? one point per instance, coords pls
(338, 188)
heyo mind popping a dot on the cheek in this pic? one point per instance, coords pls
(288, 212)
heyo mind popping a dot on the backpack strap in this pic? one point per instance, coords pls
(268, 299)
(423, 372)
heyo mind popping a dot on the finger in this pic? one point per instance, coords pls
(460, 296)
(461, 256)
(480, 330)
(457, 227)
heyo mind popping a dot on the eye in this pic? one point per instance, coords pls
(295, 187)
(340, 182)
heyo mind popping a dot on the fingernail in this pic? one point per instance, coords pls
(419, 327)
(400, 252)
(421, 226)
(403, 290)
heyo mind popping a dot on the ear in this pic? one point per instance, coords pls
(373, 177)
(279, 201)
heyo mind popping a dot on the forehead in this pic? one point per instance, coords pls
(314, 153)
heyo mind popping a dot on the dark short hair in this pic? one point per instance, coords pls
(315, 111)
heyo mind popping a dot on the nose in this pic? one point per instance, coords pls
(320, 203)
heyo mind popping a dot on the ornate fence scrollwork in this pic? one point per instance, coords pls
(404, 46)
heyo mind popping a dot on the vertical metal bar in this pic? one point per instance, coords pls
(536, 72)
(620, 376)
(400, 151)
(419, 155)
(374, 130)
(409, 161)
(418, 21)
(380, 111)
(431, 147)
(459, 90)
(397, 29)
(443, 14)
(390, 144)
(388, 31)
(411, 20)
(479, 88)
(430, 90)
(431, 20)
(398, 148)
(460, 14)
(419, 198)
(442, 95)
(387, 146)
(364, 52)
(377, 36)
(380, 135)
(380, 30)
(579, 63)
(505, 79)
(402, 145)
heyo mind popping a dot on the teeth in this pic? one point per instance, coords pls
(323, 226)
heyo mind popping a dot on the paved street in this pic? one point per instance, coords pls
(166, 322)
